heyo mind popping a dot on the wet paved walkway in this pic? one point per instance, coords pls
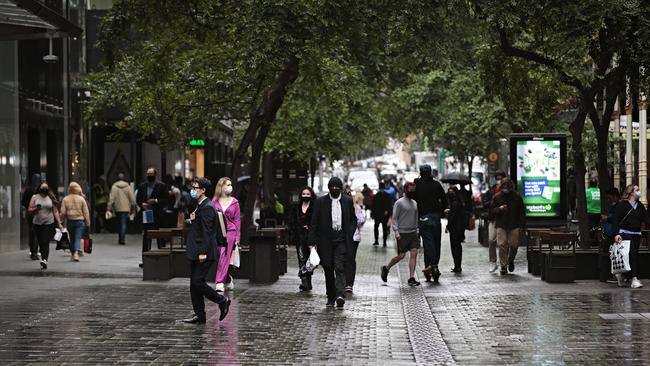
(100, 312)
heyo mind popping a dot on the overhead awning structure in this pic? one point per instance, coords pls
(31, 19)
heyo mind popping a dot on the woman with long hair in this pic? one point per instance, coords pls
(351, 265)
(456, 226)
(299, 222)
(629, 215)
(229, 206)
(44, 208)
(74, 210)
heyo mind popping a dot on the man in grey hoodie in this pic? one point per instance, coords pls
(121, 201)
(405, 227)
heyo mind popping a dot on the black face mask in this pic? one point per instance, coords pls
(305, 198)
(43, 191)
(151, 178)
(335, 193)
(410, 194)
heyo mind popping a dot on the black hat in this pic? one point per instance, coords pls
(335, 182)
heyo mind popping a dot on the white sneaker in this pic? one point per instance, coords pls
(219, 287)
(231, 285)
(636, 284)
(620, 279)
(493, 267)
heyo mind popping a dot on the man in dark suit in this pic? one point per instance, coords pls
(332, 228)
(382, 210)
(201, 249)
(152, 195)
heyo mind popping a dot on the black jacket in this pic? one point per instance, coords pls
(297, 222)
(456, 218)
(631, 221)
(514, 216)
(160, 192)
(380, 204)
(430, 196)
(321, 226)
(205, 233)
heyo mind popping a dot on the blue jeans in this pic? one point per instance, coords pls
(431, 233)
(123, 220)
(75, 231)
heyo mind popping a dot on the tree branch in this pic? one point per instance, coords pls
(510, 50)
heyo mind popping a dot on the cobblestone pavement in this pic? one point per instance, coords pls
(99, 311)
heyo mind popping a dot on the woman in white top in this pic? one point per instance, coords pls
(44, 208)
(351, 265)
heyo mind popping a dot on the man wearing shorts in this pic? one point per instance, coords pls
(405, 227)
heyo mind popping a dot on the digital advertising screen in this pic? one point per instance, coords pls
(538, 164)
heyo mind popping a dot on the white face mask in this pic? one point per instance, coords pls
(227, 190)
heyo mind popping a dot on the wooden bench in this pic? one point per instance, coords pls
(164, 264)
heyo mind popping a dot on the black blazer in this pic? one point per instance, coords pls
(160, 192)
(205, 233)
(321, 226)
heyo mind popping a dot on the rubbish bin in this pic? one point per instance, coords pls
(264, 256)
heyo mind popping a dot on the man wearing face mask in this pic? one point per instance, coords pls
(492, 229)
(152, 196)
(202, 240)
(331, 232)
(509, 213)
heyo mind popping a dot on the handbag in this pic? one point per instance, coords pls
(471, 222)
(222, 240)
(87, 242)
(235, 257)
(62, 239)
(619, 254)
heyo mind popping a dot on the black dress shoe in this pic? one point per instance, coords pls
(194, 320)
(330, 303)
(436, 275)
(511, 267)
(121, 242)
(224, 307)
(384, 273)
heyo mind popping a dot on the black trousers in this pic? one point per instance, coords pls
(33, 243)
(456, 238)
(44, 234)
(303, 252)
(384, 229)
(351, 265)
(199, 288)
(335, 274)
(635, 241)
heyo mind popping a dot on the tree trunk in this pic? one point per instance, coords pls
(470, 163)
(576, 128)
(604, 179)
(242, 149)
(264, 117)
(267, 178)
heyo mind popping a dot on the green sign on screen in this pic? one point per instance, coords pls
(197, 142)
(538, 177)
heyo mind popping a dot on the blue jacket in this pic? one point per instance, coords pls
(205, 233)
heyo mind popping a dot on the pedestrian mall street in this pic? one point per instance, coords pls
(99, 311)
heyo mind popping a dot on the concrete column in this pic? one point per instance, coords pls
(643, 151)
(629, 148)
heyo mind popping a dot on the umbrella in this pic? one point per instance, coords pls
(456, 178)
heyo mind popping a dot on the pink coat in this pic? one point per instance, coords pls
(233, 221)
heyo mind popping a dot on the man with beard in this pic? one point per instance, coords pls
(332, 228)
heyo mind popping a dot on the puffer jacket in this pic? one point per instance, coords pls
(74, 206)
(121, 198)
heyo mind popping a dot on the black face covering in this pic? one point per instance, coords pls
(305, 199)
(151, 178)
(43, 191)
(410, 194)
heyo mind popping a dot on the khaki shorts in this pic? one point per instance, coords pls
(407, 241)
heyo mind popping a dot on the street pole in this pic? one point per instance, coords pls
(643, 151)
(629, 150)
(617, 152)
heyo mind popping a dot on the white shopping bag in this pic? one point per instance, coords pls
(619, 254)
(235, 257)
(314, 259)
(58, 234)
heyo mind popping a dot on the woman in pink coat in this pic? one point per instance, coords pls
(226, 203)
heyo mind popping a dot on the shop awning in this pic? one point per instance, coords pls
(30, 19)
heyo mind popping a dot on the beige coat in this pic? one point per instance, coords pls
(122, 198)
(74, 206)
